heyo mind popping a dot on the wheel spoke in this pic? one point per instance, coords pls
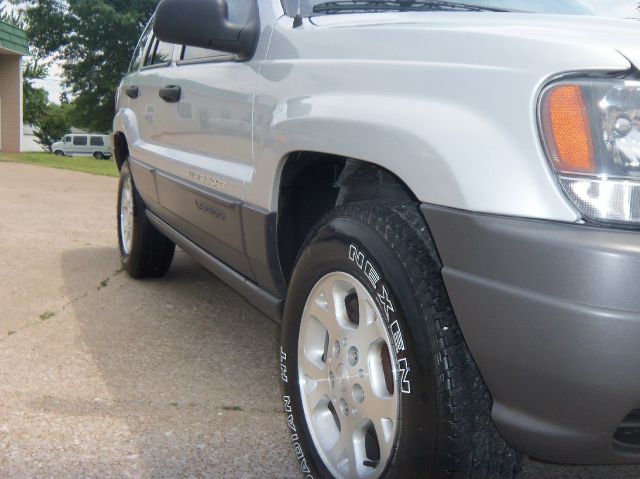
(316, 370)
(374, 406)
(326, 315)
(366, 310)
(343, 453)
(316, 381)
(316, 390)
(384, 432)
(367, 335)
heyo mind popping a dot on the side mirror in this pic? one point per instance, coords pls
(205, 24)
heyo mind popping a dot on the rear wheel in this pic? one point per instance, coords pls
(144, 251)
(378, 382)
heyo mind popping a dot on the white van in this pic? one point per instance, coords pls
(89, 144)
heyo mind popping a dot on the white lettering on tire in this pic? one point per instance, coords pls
(359, 258)
(297, 447)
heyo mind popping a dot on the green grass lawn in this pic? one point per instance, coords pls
(76, 163)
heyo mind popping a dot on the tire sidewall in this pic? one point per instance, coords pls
(348, 245)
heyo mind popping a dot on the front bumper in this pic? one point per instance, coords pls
(551, 314)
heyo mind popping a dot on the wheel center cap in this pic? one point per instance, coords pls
(342, 378)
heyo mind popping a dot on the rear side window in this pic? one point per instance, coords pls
(138, 54)
(80, 140)
(97, 141)
(160, 53)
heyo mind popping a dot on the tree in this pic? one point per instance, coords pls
(35, 99)
(53, 126)
(94, 39)
(14, 18)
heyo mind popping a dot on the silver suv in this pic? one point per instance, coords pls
(440, 201)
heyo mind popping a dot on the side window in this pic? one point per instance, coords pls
(67, 139)
(160, 53)
(138, 54)
(195, 53)
(80, 140)
(97, 141)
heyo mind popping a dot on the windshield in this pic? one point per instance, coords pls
(611, 8)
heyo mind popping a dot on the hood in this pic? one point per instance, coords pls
(550, 31)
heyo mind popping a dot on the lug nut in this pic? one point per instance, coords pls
(353, 355)
(344, 407)
(336, 349)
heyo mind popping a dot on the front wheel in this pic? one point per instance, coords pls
(98, 155)
(59, 153)
(378, 382)
(144, 251)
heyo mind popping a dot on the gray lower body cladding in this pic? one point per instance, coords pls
(551, 314)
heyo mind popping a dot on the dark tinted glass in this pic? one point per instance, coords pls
(194, 53)
(160, 53)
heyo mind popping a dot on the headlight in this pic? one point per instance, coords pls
(591, 133)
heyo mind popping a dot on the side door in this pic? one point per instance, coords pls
(208, 146)
(149, 110)
(80, 145)
(141, 90)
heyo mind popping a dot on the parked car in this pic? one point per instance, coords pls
(439, 201)
(91, 144)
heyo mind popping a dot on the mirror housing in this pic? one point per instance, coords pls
(205, 24)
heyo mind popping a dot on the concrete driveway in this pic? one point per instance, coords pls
(103, 376)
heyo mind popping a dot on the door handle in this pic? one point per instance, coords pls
(171, 94)
(132, 91)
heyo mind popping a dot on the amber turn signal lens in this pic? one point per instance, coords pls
(568, 131)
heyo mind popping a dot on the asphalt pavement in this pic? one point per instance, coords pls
(104, 376)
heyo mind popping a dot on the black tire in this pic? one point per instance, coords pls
(98, 155)
(151, 253)
(59, 153)
(444, 425)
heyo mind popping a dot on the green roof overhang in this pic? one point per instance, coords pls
(13, 39)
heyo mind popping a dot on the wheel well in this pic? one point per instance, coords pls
(120, 148)
(312, 184)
